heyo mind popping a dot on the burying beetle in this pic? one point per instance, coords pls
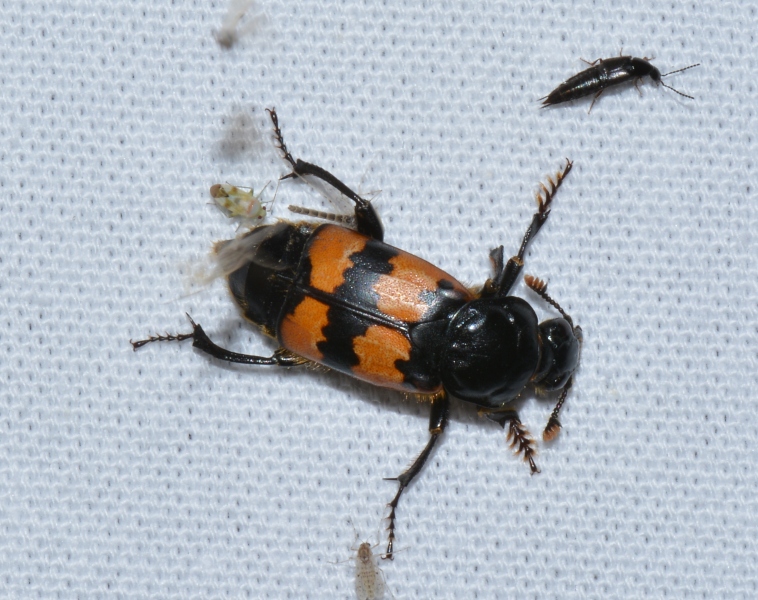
(607, 72)
(344, 299)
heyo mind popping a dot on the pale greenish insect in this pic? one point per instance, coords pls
(239, 202)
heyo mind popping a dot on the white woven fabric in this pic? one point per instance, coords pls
(163, 474)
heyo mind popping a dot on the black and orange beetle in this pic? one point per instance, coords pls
(344, 299)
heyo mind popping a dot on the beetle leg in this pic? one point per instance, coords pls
(595, 100)
(504, 280)
(593, 63)
(437, 423)
(201, 341)
(489, 288)
(519, 437)
(367, 220)
(637, 85)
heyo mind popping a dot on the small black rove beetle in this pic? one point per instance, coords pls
(342, 298)
(604, 73)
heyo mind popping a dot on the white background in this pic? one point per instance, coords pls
(163, 474)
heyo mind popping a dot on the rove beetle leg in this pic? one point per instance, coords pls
(201, 341)
(593, 63)
(437, 423)
(600, 93)
(367, 221)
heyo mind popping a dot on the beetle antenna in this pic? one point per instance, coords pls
(540, 287)
(553, 426)
(680, 70)
(677, 91)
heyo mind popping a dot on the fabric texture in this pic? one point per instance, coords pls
(165, 474)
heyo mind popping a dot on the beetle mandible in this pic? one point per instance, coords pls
(344, 299)
(607, 72)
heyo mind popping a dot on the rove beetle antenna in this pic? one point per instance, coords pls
(678, 71)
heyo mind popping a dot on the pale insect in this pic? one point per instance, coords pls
(239, 202)
(230, 30)
(249, 210)
(369, 578)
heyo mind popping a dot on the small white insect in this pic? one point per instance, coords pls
(369, 579)
(239, 202)
(229, 33)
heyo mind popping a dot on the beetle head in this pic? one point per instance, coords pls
(560, 354)
(642, 66)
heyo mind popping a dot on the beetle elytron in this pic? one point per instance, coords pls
(344, 299)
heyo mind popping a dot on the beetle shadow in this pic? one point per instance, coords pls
(242, 137)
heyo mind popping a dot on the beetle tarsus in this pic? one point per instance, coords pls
(503, 281)
(367, 220)
(279, 139)
(522, 442)
(167, 337)
(403, 480)
(200, 340)
(437, 422)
